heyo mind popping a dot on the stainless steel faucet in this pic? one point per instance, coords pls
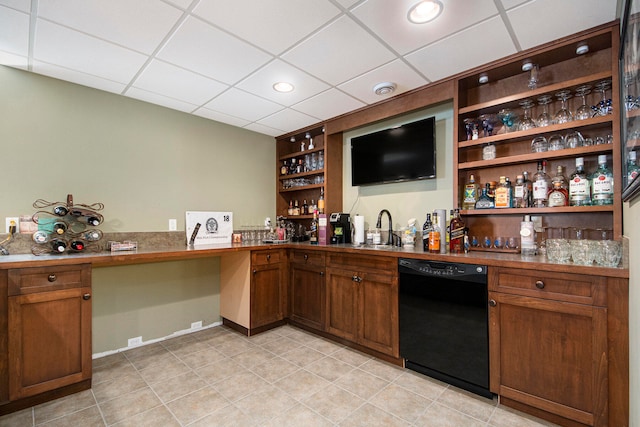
(379, 225)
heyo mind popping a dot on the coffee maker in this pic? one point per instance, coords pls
(340, 228)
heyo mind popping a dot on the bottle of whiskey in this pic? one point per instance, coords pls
(456, 233)
(602, 183)
(313, 238)
(434, 236)
(503, 193)
(470, 194)
(426, 229)
(527, 196)
(290, 210)
(558, 193)
(321, 201)
(296, 208)
(579, 186)
(284, 169)
(305, 207)
(541, 184)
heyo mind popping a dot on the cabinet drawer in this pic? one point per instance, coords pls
(578, 288)
(266, 257)
(45, 279)
(380, 264)
(308, 257)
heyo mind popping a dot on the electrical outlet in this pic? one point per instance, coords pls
(8, 223)
(196, 325)
(173, 225)
(132, 342)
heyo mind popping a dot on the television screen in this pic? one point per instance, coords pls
(402, 153)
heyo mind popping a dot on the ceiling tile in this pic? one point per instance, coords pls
(221, 117)
(405, 77)
(274, 25)
(174, 82)
(288, 119)
(204, 49)
(77, 77)
(435, 60)
(140, 25)
(12, 60)
(22, 5)
(509, 4)
(244, 105)
(157, 99)
(339, 52)
(261, 83)
(183, 4)
(257, 127)
(14, 31)
(533, 25)
(347, 3)
(71, 49)
(389, 21)
(328, 104)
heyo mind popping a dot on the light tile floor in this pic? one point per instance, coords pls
(283, 377)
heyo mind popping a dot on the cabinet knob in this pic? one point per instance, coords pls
(86, 297)
(268, 257)
(492, 303)
(356, 278)
(306, 257)
(539, 284)
(255, 271)
(322, 273)
(52, 278)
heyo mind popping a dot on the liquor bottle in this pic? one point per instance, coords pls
(58, 245)
(426, 229)
(313, 238)
(290, 210)
(296, 208)
(305, 207)
(284, 169)
(470, 194)
(484, 201)
(503, 194)
(528, 245)
(447, 232)
(321, 201)
(541, 184)
(632, 167)
(518, 192)
(456, 233)
(313, 207)
(558, 193)
(299, 166)
(527, 196)
(579, 186)
(602, 183)
(292, 166)
(434, 236)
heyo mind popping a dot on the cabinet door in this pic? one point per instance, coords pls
(342, 303)
(49, 340)
(378, 313)
(308, 295)
(550, 355)
(266, 295)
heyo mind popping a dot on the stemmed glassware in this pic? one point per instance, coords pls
(471, 126)
(603, 107)
(630, 101)
(488, 123)
(508, 118)
(563, 115)
(544, 119)
(526, 122)
(584, 111)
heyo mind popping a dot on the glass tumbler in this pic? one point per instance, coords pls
(609, 251)
(580, 249)
(557, 245)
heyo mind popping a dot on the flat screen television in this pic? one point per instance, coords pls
(402, 153)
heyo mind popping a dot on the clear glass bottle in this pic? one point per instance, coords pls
(504, 194)
(484, 201)
(632, 167)
(434, 236)
(284, 169)
(321, 201)
(541, 184)
(426, 229)
(470, 194)
(558, 193)
(518, 192)
(579, 186)
(489, 152)
(456, 233)
(602, 183)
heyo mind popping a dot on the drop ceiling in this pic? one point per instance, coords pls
(219, 59)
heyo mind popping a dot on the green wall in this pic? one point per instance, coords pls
(147, 164)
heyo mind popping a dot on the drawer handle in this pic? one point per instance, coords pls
(255, 271)
(306, 257)
(356, 278)
(492, 303)
(539, 284)
(322, 273)
(86, 297)
(52, 278)
(268, 257)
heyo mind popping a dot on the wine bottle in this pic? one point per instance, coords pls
(58, 245)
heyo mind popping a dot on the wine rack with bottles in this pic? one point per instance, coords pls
(317, 170)
(478, 108)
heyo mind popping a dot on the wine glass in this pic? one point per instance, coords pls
(584, 111)
(603, 107)
(488, 123)
(526, 122)
(630, 101)
(563, 115)
(508, 118)
(544, 119)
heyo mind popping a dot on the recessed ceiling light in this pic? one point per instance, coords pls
(582, 48)
(483, 78)
(527, 65)
(283, 87)
(425, 11)
(384, 88)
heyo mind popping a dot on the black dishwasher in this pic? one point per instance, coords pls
(444, 322)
